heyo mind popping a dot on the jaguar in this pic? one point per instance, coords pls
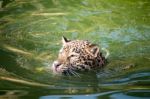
(78, 55)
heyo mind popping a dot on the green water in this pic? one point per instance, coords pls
(30, 38)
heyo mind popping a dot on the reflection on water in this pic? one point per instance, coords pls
(30, 33)
(134, 94)
(11, 94)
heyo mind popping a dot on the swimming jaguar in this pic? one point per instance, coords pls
(78, 55)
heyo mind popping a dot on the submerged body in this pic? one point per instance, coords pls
(78, 55)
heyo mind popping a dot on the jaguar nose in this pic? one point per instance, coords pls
(56, 64)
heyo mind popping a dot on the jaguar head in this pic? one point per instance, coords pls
(76, 55)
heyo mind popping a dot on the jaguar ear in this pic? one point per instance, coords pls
(93, 50)
(64, 40)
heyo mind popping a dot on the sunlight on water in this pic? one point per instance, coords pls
(14, 94)
(15, 50)
(24, 82)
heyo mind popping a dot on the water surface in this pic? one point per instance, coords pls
(30, 38)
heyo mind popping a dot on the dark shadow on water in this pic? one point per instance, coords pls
(8, 62)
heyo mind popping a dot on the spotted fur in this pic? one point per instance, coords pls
(77, 55)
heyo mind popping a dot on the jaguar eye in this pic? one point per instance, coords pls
(72, 55)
